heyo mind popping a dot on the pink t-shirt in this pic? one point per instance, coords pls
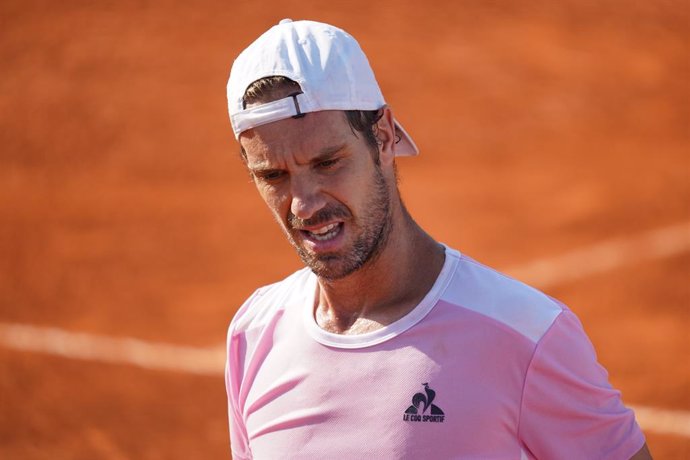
(484, 367)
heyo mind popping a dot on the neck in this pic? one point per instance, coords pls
(384, 289)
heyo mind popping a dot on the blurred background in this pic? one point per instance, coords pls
(554, 139)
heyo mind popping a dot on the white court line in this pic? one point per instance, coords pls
(118, 350)
(676, 422)
(571, 266)
(603, 257)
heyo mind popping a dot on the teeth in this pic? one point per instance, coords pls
(325, 233)
(325, 229)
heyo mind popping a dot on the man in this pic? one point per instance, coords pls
(387, 344)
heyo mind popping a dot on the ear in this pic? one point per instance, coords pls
(386, 135)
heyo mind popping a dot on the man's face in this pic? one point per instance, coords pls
(324, 188)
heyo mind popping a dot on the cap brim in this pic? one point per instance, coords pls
(405, 147)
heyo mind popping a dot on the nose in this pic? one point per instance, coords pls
(306, 198)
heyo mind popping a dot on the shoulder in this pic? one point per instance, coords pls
(269, 301)
(490, 293)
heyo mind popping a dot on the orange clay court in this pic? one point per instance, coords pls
(554, 140)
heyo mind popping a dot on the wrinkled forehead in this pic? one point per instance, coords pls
(297, 140)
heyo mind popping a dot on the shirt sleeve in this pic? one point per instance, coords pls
(234, 371)
(239, 444)
(569, 409)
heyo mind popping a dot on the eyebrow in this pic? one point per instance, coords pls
(261, 168)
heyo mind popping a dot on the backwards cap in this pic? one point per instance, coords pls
(327, 63)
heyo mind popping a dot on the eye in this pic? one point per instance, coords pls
(273, 175)
(270, 175)
(325, 164)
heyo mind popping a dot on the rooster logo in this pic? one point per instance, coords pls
(425, 400)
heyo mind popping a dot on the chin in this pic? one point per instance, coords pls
(332, 267)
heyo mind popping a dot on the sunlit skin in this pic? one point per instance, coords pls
(343, 214)
(331, 239)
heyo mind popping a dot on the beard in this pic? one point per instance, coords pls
(371, 230)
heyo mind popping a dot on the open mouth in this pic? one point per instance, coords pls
(325, 233)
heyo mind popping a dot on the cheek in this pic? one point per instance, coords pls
(351, 190)
(277, 203)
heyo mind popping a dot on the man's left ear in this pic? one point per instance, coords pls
(386, 135)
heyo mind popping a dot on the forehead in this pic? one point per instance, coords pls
(297, 139)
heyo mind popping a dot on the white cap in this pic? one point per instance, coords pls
(326, 62)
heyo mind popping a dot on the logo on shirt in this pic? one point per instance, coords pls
(421, 403)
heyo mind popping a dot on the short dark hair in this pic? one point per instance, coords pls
(360, 121)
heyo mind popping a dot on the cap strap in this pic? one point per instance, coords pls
(266, 113)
